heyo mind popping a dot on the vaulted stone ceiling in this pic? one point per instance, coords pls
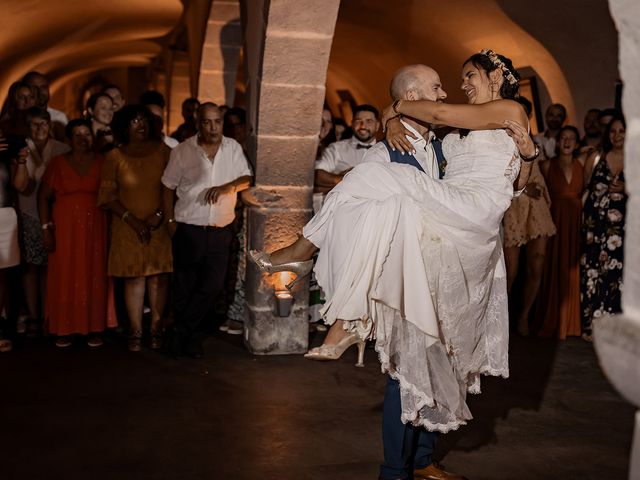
(71, 37)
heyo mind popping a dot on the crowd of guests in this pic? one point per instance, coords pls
(107, 210)
(97, 213)
(570, 223)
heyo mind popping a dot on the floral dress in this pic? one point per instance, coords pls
(602, 251)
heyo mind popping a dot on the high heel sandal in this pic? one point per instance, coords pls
(334, 352)
(263, 261)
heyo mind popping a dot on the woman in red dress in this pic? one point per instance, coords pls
(559, 301)
(75, 235)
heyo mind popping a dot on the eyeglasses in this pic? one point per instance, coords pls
(138, 120)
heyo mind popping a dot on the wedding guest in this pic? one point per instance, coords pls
(58, 118)
(140, 248)
(13, 120)
(527, 224)
(603, 227)
(117, 98)
(75, 227)
(31, 165)
(592, 131)
(9, 250)
(188, 128)
(201, 183)
(99, 111)
(554, 117)
(559, 305)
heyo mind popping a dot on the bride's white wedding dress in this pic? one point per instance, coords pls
(421, 261)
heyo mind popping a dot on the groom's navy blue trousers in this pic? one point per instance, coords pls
(405, 447)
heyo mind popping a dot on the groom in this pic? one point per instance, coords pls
(408, 449)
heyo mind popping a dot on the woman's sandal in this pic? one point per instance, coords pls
(5, 345)
(135, 341)
(156, 338)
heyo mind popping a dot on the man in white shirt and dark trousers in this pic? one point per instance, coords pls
(205, 172)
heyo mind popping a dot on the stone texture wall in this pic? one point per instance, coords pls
(618, 338)
(286, 93)
(221, 53)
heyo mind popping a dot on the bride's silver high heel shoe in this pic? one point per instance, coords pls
(334, 352)
(263, 261)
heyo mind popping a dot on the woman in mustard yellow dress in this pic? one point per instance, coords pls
(140, 248)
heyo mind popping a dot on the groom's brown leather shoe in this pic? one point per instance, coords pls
(435, 472)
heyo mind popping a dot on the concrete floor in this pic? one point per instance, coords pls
(110, 414)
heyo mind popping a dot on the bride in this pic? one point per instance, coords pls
(422, 263)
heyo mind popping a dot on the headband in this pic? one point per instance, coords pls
(493, 56)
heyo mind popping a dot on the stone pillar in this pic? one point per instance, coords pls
(178, 90)
(288, 48)
(221, 53)
(617, 338)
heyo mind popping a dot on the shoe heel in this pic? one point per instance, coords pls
(361, 344)
(301, 271)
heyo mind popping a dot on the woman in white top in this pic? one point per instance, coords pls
(30, 167)
(423, 263)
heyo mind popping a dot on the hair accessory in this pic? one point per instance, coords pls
(493, 56)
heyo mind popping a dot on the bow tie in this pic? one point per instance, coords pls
(359, 146)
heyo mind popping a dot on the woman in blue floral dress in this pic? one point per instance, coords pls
(603, 228)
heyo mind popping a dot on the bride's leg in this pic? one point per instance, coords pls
(335, 333)
(299, 251)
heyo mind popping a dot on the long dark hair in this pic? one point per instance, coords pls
(606, 141)
(484, 62)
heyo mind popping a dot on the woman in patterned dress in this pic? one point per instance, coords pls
(603, 228)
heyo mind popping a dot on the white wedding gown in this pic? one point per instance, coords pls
(420, 260)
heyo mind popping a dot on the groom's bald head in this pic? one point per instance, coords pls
(417, 82)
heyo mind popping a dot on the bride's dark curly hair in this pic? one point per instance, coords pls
(484, 62)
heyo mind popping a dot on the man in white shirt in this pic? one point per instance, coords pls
(554, 117)
(205, 173)
(59, 119)
(340, 157)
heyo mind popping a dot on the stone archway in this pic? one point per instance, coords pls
(287, 44)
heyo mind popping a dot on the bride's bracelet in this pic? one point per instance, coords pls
(536, 152)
